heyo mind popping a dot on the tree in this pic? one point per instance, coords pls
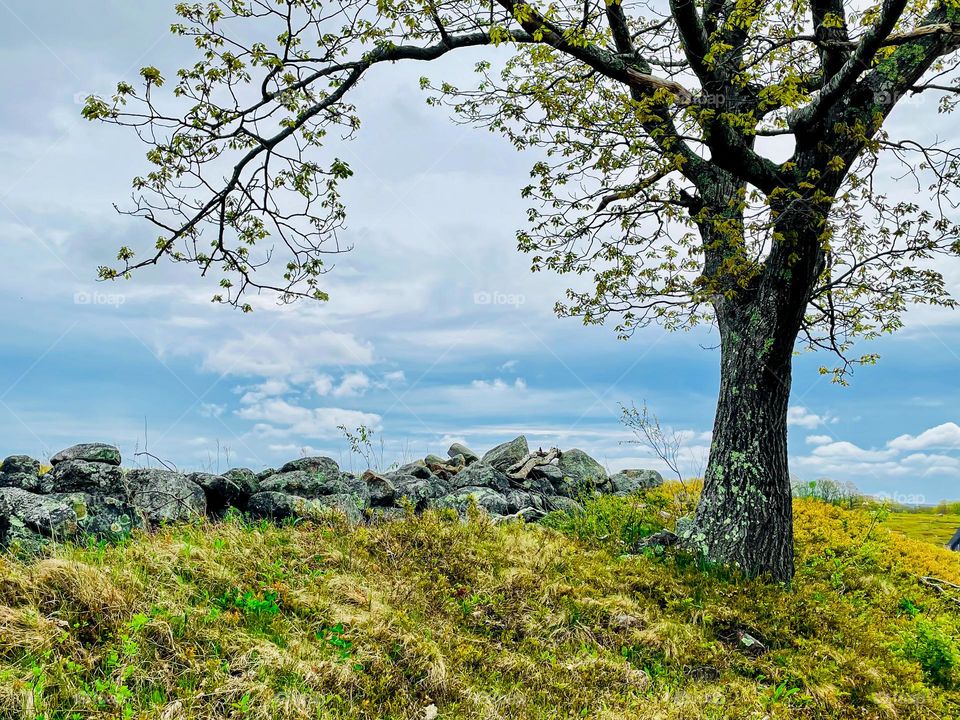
(658, 130)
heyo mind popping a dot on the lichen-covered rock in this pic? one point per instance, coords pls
(20, 471)
(322, 465)
(503, 456)
(481, 475)
(417, 469)
(561, 503)
(517, 500)
(90, 452)
(419, 492)
(83, 476)
(486, 498)
(542, 479)
(380, 490)
(626, 482)
(102, 516)
(45, 516)
(165, 496)
(585, 472)
(469, 455)
(434, 460)
(314, 485)
(232, 489)
(265, 473)
(281, 506)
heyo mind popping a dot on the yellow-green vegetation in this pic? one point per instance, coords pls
(929, 527)
(429, 616)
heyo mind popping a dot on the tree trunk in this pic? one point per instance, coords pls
(745, 513)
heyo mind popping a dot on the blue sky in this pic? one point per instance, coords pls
(435, 330)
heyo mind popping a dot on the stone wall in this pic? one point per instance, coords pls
(87, 493)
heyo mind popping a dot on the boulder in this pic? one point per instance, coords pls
(560, 503)
(20, 471)
(322, 465)
(487, 499)
(469, 456)
(282, 506)
(434, 460)
(417, 469)
(481, 475)
(91, 452)
(380, 490)
(265, 473)
(419, 492)
(626, 482)
(314, 485)
(542, 479)
(83, 476)
(585, 472)
(45, 516)
(232, 489)
(100, 515)
(503, 456)
(517, 500)
(165, 496)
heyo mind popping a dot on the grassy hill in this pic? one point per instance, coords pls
(930, 527)
(428, 617)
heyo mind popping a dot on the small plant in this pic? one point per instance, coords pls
(361, 443)
(333, 636)
(263, 604)
(935, 650)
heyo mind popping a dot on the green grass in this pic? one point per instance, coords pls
(478, 620)
(937, 529)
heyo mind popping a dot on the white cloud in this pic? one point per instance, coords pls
(499, 385)
(264, 356)
(946, 435)
(801, 417)
(843, 450)
(281, 418)
(352, 384)
(818, 439)
(322, 385)
(397, 377)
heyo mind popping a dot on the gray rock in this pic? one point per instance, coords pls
(265, 473)
(626, 482)
(321, 464)
(100, 515)
(561, 503)
(585, 472)
(517, 500)
(542, 479)
(83, 476)
(91, 452)
(301, 482)
(434, 460)
(47, 517)
(419, 492)
(20, 471)
(469, 456)
(481, 475)
(232, 489)
(380, 490)
(281, 506)
(457, 461)
(349, 505)
(417, 469)
(507, 454)
(315, 485)
(165, 496)
(485, 498)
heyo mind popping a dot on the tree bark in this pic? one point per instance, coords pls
(745, 515)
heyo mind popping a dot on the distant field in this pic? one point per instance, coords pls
(925, 526)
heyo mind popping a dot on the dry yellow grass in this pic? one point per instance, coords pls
(476, 620)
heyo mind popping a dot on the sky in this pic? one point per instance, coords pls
(435, 331)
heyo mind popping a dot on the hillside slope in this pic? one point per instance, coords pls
(428, 617)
